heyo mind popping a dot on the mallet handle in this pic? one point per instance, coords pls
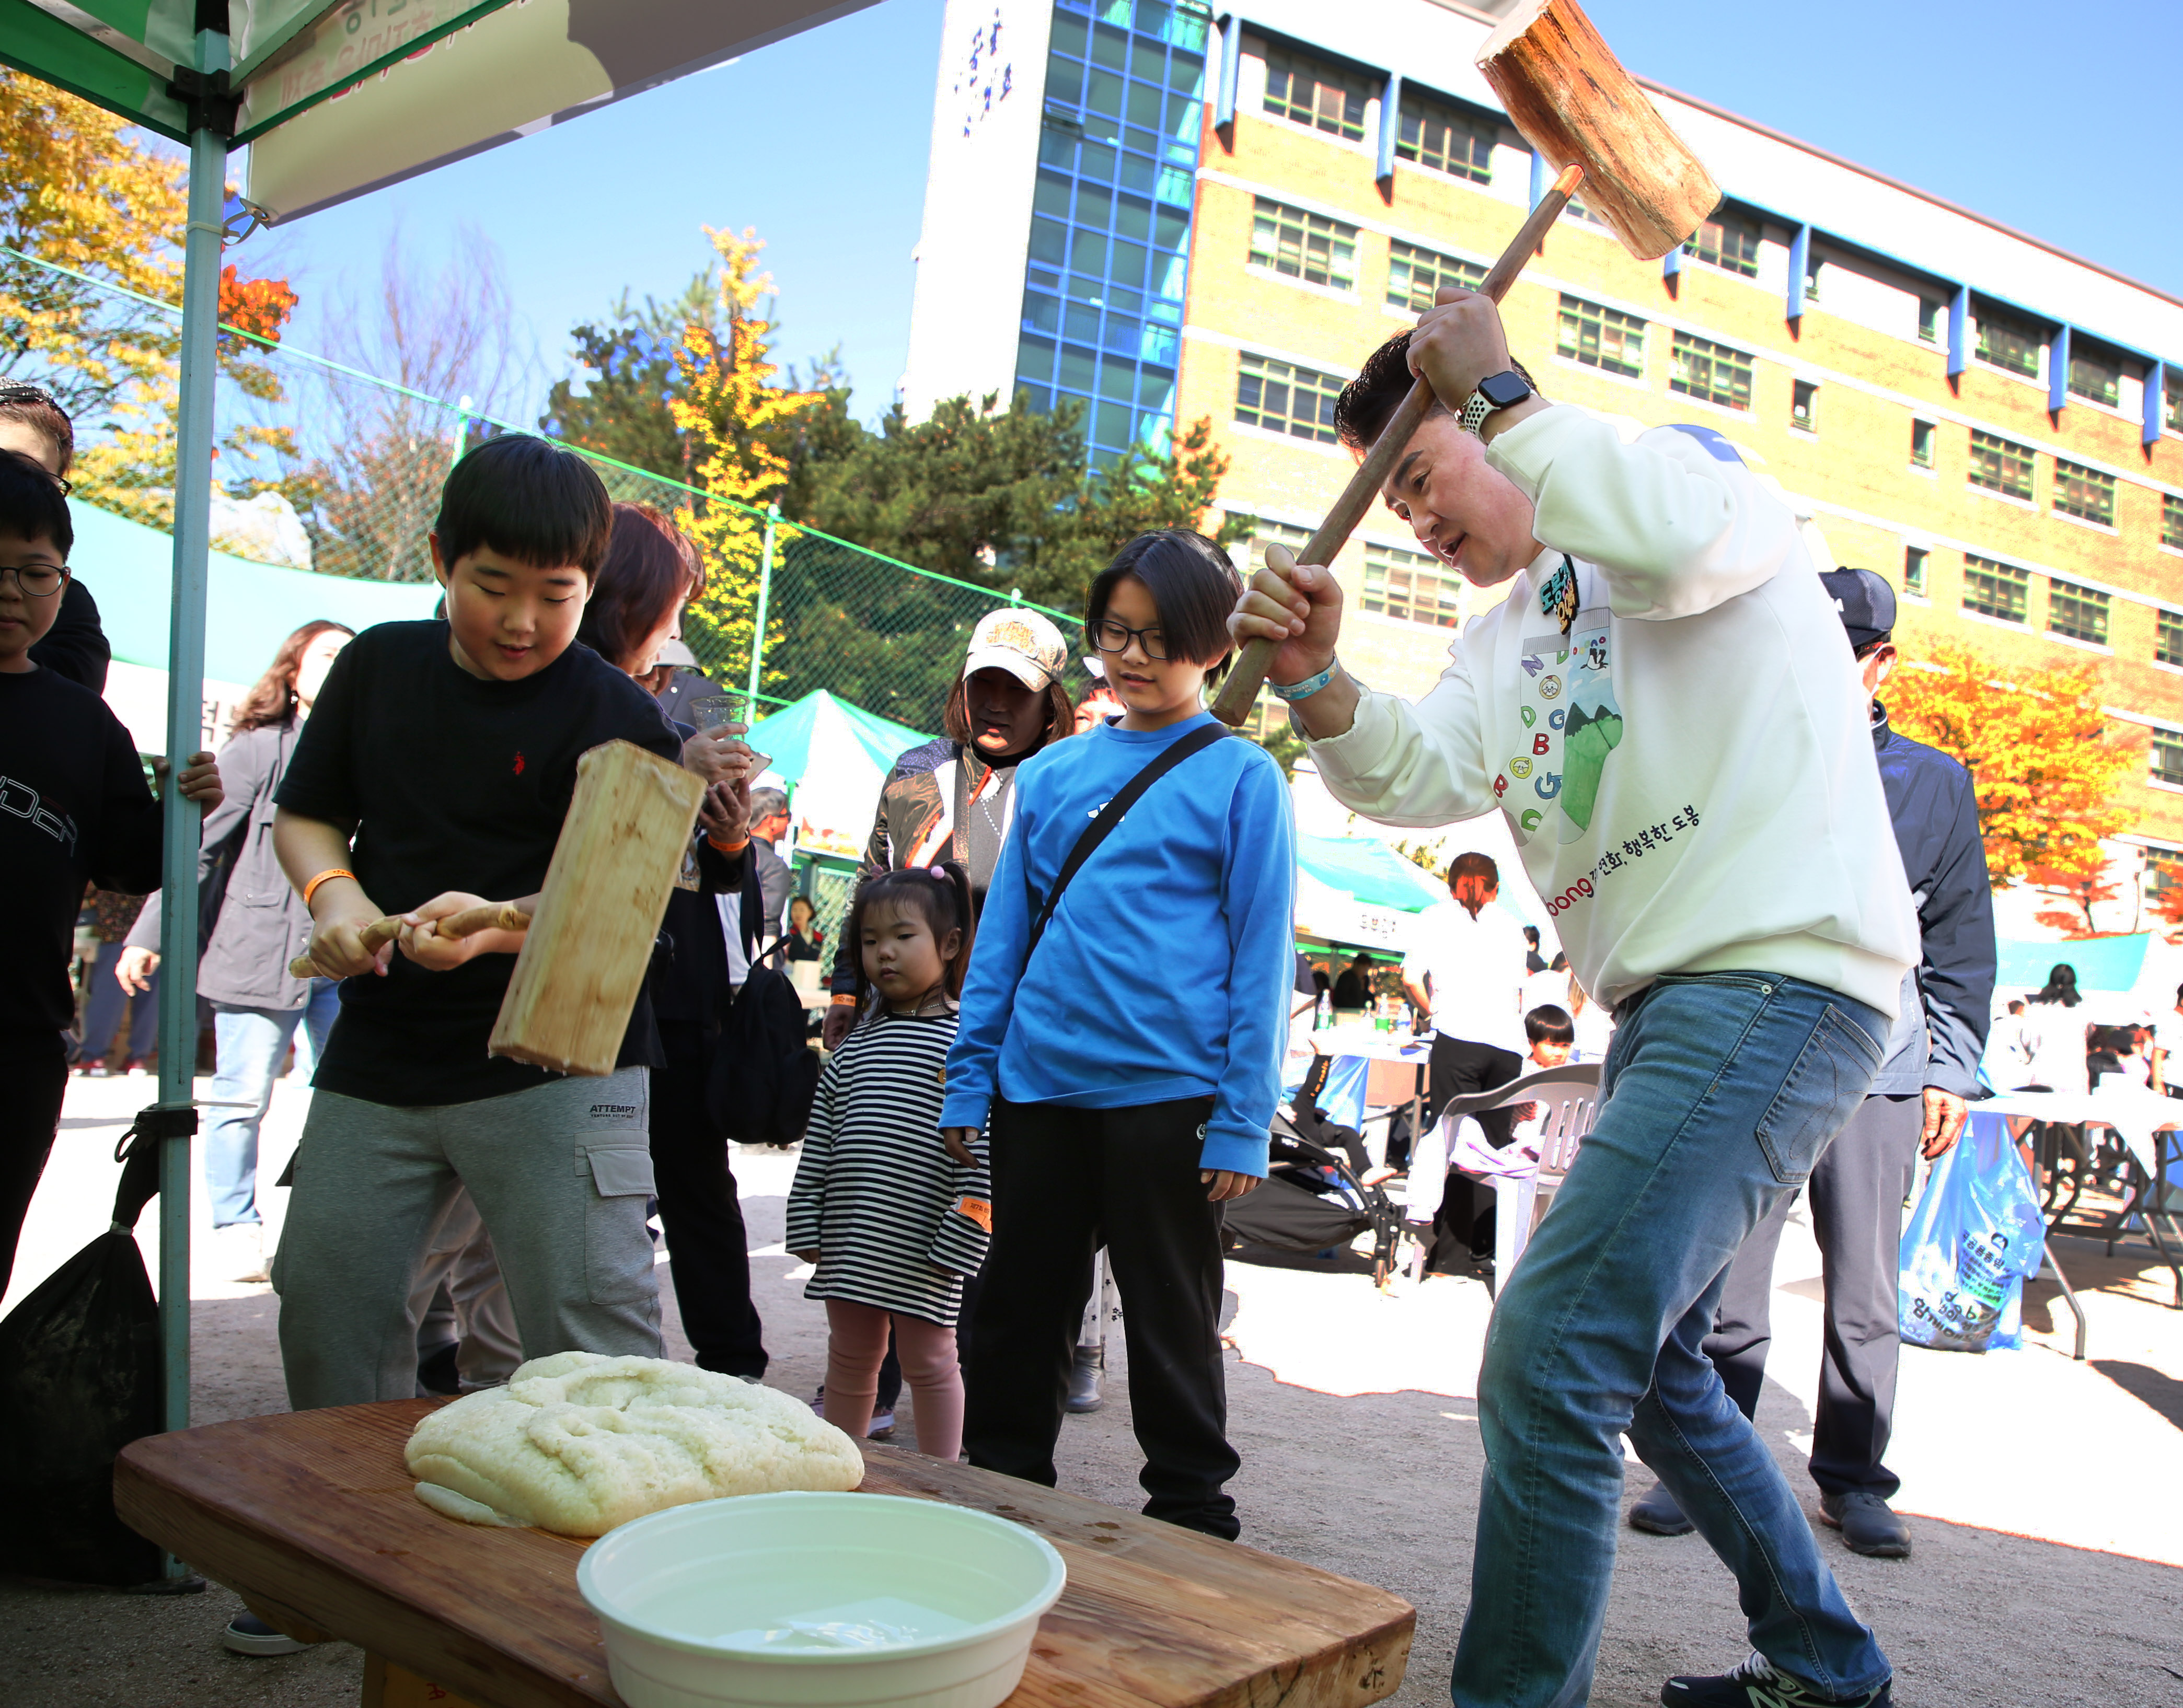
(493, 915)
(1239, 692)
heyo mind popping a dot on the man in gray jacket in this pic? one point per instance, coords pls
(1918, 1101)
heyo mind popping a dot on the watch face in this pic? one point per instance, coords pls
(1502, 389)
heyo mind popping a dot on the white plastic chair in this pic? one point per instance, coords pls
(1568, 1097)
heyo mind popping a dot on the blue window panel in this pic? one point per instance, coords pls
(1391, 110)
(1035, 358)
(1186, 74)
(1087, 252)
(1043, 278)
(1156, 431)
(1099, 161)
(1038, 399)
(1800, 266)
(1078, 368)
(2057, 371)
(1095, 206)
(1138, 174)
(1232, 68)
(1108, 462)
(2156, 394)
(1167, 274)
(1056, 148)
(1122, 335)
(1064, 80)
(1087, 289)
(1041, 313)
(1960, 323)
(1144, 141)
(1122, 301)
(1133, 218)
(1110, 47)
(1102, 93)
(1177, 188)
(1101, 127)
(1147, 62)
(1111, 422)
(1052, 194)
(1070, 34)
(1155, 388)
(1083, 323)
(1128, 266)
(1117, 380)
(1049, 242)
(1160, 343)
(1170, 312)
(1170, 229)
(1144, 108)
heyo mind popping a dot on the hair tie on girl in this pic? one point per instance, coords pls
(937, 873)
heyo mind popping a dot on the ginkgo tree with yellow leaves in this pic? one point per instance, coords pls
(2042, 756)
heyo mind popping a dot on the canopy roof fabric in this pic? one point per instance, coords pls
(1368, 870)
(250, 608)
(818, 728)
(2102, 963)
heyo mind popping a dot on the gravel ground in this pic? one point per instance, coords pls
(2049, 1561)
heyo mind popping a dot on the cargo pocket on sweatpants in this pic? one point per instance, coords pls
(1833, 1071)
(617, 1249)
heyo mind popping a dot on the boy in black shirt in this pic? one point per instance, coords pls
(447, 751)
(73, 807)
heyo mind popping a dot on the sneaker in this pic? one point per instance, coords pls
(238, 1251)
(1084, 1379)
(248, 1634)
(1656, 1514)
(98, 1067)
(882, 1428)
(1868, 1523)
(135, 1067)
(1755, 1684)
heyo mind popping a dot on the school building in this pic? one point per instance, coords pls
(1169, 214)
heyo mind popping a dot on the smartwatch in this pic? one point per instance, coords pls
(1495, 392)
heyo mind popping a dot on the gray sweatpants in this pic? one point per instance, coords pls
(560, 1175)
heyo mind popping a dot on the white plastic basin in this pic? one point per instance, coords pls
(811, 1601)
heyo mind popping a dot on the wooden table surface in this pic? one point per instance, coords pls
(310, 1517)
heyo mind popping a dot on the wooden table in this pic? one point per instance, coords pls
(310, 1517)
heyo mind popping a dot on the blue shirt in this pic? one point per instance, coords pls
(1164, 973)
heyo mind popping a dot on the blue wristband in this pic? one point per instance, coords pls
(1310, 685)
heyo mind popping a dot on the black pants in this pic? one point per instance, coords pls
(1858, 1187)
(1462, 1228)
(1064, 1182)
(33, 1078)
(709, 1251)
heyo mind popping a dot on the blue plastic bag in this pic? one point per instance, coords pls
(1975, 1236)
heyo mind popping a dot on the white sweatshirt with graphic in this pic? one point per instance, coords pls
(1688, 768)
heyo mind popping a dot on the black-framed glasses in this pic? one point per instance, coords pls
(37, 580)
(1110, 636)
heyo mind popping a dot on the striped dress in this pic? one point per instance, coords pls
(897, 1222)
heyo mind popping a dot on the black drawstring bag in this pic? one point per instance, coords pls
(79, 1379)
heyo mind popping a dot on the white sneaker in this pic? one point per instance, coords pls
(238, 1251)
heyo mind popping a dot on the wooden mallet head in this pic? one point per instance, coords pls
(1568, 95)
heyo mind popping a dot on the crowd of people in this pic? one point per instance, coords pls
(1059, 1008)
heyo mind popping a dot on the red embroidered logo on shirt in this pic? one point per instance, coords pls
(518, 764)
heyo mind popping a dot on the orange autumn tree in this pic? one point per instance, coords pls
(2044, 760)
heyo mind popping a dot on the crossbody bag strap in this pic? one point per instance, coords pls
(1110, 815)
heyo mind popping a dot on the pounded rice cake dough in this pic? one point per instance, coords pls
(578, 1443)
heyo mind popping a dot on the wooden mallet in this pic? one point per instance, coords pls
(1571, 100)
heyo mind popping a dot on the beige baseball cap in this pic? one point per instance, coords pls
(1021, 642)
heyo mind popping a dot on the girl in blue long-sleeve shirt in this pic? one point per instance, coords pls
(1129, 1066)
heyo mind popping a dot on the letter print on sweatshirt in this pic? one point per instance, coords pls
(1569, 722)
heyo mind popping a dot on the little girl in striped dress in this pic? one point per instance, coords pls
(892, 1217)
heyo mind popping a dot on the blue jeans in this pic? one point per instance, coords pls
(1718, 1094)
(103, 997)
(250, 1042)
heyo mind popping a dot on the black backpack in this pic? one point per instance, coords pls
(764, 1074)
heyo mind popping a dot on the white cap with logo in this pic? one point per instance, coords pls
(1021, 642)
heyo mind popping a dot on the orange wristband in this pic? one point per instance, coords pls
(728, 847)
(311, 889)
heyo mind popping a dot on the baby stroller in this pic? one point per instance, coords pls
(1314, 1198)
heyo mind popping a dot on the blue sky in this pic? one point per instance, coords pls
(2051, 119)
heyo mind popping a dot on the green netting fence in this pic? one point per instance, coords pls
(327, 468)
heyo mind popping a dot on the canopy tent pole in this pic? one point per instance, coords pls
(185, 645)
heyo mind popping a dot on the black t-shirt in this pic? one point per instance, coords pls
(448, 782)
(74, 806)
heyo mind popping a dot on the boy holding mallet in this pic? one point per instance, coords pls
(1662, 709)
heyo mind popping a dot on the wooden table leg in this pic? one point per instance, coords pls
(388, 1686)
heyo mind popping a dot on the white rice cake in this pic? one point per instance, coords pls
(578, 1443)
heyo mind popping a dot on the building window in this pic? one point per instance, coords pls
(1921, 444)
(1303, 246)
(2084, 492)
(1929, 320)
(1803, 402)
(1415, 274)
(1729, 240)
(2167, 757)
(1284, 398)
(2009, 343)
(2000, 466)
(1713, 372)
(1996, 590)
(2168, 637)
(2163, 871)
(1913, 570)
(1413, 587)
(1309, 92)
(2171, 520)
(2095, 376)
(1264, 532)
(2079, 613)
(2171, 400)
(1602, 337)
(1446, 139)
